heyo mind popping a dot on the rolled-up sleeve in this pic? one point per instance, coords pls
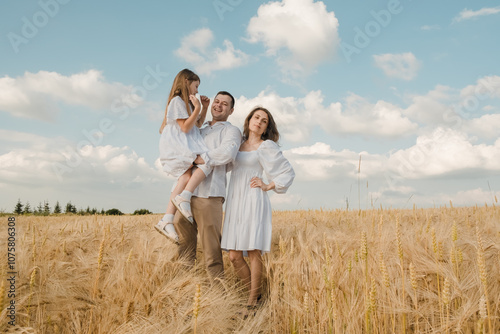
(277, 168)
(226, 151)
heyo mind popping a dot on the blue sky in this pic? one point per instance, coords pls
(411, 87)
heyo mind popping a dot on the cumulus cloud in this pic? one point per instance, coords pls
(294, 121)
(297, 117)
(486, 126)
(196, 49)
(441, 153)
(37, 95)
(468, 14)
(401, 66)
(359, 116)
(34, 160)
(445, 152)
(321, 162)
(432, 107)
(460, 109)
(300, 33)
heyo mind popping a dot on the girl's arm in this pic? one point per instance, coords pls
(205, 101)
(188, 123)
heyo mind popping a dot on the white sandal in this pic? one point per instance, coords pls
(184, 207)
(167, 231)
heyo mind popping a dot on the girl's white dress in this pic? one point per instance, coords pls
(178, 150)
(247, 222)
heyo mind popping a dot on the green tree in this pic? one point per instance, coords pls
(57, 208)
(27, 209)
(39, 209)
(19, 207)
(114, 212)
(46, 208)
(142, 212)
(70, 208)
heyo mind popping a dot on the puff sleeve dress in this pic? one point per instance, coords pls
(247, 222)
(178, 150)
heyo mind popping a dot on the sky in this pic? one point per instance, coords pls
(379, 104)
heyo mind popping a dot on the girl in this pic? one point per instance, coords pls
(247, 223)
(180, 143)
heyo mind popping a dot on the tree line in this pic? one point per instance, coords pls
(45, 210)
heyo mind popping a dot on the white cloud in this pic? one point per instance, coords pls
(485, 87)
(294, 121)
(321, 162)
(468, 14)
(300, 33)
(41, 161)
(297, 117)
(401, 66)
(360, 117)
(460, 109)
(196, 49)
(432, 107)
(445, 152)
(284, 200)
(486, 126)
(441, 153)
(36, 95)
(477, 196)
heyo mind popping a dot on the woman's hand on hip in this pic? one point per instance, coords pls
(257, 182)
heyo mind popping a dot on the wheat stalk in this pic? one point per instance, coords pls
(129, 311)
(401, 259)
(446, 299)
(2, 294)
(196, 305)
(413, 279)
(32, 284)
(483, 274)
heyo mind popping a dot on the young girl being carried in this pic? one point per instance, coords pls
(180, 143)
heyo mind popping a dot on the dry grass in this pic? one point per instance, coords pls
(379, 271)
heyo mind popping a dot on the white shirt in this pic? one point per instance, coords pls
(223, 141)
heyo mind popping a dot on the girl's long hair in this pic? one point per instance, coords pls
(180, 87)
(271, 131)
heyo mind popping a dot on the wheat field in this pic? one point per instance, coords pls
(374, 271)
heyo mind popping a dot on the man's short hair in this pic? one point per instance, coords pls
(223, 92)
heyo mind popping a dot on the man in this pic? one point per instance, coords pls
(223, 141)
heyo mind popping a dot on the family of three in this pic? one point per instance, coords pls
(199, 154)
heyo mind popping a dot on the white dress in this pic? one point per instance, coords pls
(178, 150)
(247, 222)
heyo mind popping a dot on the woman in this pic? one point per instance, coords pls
(247, 222)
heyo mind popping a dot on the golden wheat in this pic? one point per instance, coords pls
(117, 275)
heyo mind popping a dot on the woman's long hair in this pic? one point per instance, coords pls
(180, 87)
(271, 131)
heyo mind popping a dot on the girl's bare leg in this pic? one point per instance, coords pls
(256, 275)
(181, 184)
(194, 181)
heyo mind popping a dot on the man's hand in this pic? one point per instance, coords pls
(199, 160)
(205, 101)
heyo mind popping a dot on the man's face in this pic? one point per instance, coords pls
(221, 108)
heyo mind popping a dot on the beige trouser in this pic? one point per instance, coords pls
(207, 214)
